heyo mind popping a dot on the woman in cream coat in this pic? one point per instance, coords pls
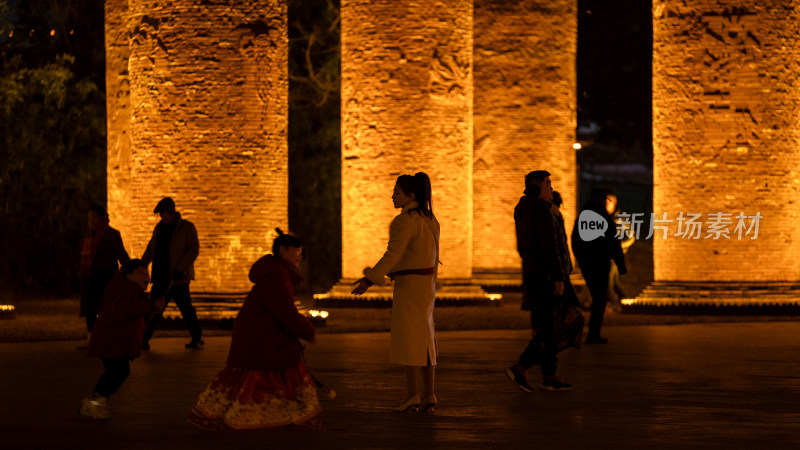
(411, 260)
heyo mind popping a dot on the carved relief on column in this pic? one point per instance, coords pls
(406, 107)
(525, 100)
(725, 138)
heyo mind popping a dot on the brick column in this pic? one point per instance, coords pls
(524, 120)
(725, 140)
(206, 125)
(406, 107)
(118, 116)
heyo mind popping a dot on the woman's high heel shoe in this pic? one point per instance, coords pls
(410, 404)
(428, 404)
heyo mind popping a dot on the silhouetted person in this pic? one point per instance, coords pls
(545, 278)
(101, 254)
(117, 338)
(173, 249)
(615, 291)
(594, 259)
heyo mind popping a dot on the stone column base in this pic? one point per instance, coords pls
(210, 306)
(696, 298)
(450, 292)
(497, 278)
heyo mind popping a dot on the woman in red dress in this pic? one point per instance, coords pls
(265, 382)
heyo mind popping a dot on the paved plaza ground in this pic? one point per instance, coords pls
(712, 385)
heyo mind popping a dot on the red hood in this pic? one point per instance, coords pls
(269, 265)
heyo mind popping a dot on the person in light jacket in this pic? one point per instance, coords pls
(411, 260)
(172, 249)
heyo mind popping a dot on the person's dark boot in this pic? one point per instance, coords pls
(519, 376)
(196, 343)
(596, 339)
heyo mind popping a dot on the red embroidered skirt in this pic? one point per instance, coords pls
(244, 399)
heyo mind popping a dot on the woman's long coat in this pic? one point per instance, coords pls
(413, 245)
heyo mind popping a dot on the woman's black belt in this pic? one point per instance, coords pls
(426, 271)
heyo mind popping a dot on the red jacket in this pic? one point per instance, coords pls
(120, 324)
(266, 331)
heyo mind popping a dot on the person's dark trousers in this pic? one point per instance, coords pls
(596, 277)
(540, 350)
(90, 320)
(117, 371)
(179, 293)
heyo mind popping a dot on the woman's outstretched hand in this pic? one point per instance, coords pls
(362, 285)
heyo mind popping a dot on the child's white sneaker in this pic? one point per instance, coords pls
(95, 407)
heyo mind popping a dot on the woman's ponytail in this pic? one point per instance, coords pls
(423, 193)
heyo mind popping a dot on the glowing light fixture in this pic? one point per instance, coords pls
(316, 313)
(7, 311)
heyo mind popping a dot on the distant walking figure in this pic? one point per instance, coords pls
(594, 259)
(411, 260)
(545, 279)
(117, 337)
(265, 382)
(101, 254)
(172, 249)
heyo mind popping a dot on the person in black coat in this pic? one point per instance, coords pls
(102, 252)
(545, 279)
(594, 259)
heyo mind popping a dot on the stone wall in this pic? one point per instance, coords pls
(524, 115)
(725, 138)
(406, 107)
(206, 123)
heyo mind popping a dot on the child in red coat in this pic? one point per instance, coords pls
(117, 334)
(265, 382)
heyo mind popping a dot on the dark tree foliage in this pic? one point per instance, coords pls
(615, 46)
(52, 137)
(53, 142)
(315, 137)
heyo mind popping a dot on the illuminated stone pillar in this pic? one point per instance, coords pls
(207, 126)
(524, 120)
(406, 107)
(726, 127)
(118, 116)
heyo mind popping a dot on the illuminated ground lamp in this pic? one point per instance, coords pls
(525, 81)
(725, 155)
(406, 89)
(318, 318)
(7, 311)
(197, 110)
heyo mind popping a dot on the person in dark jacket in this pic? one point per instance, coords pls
(594, 258)
(265, 382)
(101, 254)
(117, 336)
(172, 249)
(545, 278)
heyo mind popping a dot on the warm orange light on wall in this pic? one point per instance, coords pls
(726, 127)
(524, 116)
(406, 107)
(197, 110)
